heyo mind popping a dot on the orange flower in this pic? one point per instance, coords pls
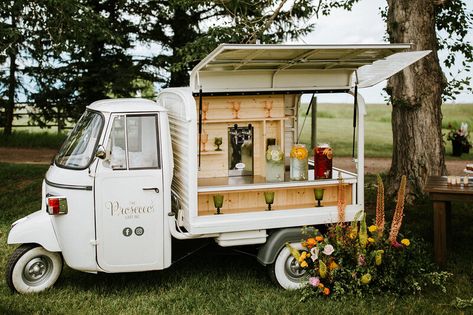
(319, 238)
(332, 265)
(326, 291)
(321, 286)
(311, 242)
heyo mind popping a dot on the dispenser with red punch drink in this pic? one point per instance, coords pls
(323, 156)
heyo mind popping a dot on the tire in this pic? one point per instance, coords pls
(285, 270)
(32, 269)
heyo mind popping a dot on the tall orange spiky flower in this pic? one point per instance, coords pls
(342, 200)
(380, 206)
(398, 213)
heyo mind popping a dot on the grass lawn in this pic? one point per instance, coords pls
(216, 281)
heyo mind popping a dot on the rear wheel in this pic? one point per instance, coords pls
(286, 271)
(31, 268)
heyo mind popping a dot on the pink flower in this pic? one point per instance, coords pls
(361, 260)
(314, 281)
(328, 250)
(314, 253)
(396, 244)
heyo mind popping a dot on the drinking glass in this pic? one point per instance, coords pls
(269, 199)
(218, 203)
(204, 139)
(319, 195)
(218, 142)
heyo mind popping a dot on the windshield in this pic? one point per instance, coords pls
(78, 149)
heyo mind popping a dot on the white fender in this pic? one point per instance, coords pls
(35, 228)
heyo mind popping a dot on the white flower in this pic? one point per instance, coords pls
(314, 253)
(328, 250)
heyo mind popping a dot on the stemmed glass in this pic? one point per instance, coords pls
(269, 199)
(205, 109)
(319, 195)
(236, 109)
(204, 139)
(268, 106)
(218, 143)
(218, 203)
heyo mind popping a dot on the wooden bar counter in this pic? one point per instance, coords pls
(442, 194)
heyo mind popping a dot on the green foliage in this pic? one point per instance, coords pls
(189, 30)
(453, 19)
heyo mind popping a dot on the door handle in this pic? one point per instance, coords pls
(156, 190)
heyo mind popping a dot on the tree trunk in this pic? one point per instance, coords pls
(10, 103)
(416, 97)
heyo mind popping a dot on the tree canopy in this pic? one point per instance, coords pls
(62, 55)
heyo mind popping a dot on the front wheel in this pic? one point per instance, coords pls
(286, 271)
(32, 269)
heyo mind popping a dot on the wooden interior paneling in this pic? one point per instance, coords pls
(284, 199)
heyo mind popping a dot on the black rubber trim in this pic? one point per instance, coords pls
(63, 186)
(306, 91)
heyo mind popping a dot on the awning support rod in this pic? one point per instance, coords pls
(200, 123)
(355, 105)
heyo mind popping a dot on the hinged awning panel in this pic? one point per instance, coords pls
(235, 68)
(380, 70)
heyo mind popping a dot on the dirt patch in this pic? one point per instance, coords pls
(26, 156)
(372, 165)
(382, 165)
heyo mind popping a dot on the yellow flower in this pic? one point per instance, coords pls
(304, 264)
(373, 228)
(302, 257)
(322, 269)
(379, 257)
(370, 239)
(405, 242)
(352, 234)
(366, 278)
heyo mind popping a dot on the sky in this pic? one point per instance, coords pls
(362, 25)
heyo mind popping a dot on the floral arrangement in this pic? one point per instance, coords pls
(359, 259)
(459, 135)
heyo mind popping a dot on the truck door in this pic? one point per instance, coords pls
(128, 196)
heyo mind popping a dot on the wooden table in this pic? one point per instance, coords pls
(442, 194)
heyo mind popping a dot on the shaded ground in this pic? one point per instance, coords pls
(372, 165)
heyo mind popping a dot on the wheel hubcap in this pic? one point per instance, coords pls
(293, 269)
(37, 270)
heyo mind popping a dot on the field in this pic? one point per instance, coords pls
(335, 126)
(216, 281)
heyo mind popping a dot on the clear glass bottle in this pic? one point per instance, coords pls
(274, 164)
(299, 164)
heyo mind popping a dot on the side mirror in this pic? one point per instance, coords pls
(101, 153)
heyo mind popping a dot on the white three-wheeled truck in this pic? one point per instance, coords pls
(134, 174)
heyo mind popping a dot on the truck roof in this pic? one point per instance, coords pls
(126, 105)
(233, 68)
